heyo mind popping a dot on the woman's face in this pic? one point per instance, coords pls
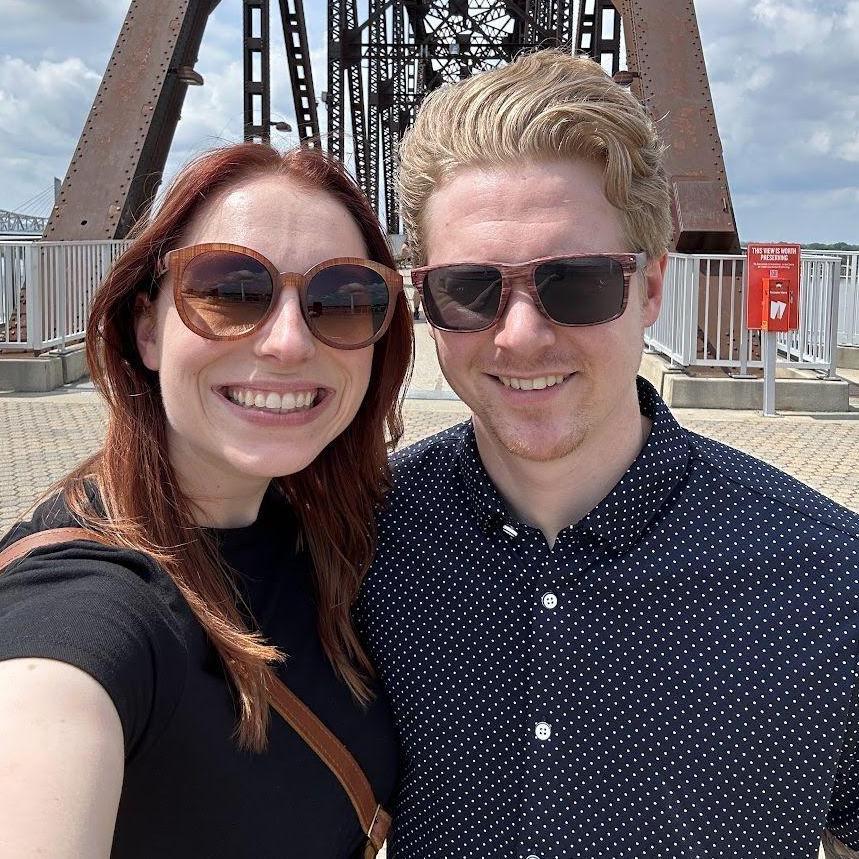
(216, 443)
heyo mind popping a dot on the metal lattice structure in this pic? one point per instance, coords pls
(384, 56)
(15, 223)
(406, 48)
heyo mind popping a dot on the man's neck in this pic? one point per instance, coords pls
(554, 494)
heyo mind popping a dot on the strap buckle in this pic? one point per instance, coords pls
(373, 822)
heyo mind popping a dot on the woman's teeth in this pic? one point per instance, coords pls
(532, 384)
(270, 401)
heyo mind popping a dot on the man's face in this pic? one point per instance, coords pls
(517, 213)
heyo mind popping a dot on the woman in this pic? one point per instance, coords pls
(244, 458)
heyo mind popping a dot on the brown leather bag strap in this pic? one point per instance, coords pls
(374, 820)
(25, 545)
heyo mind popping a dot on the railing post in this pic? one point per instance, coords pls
(744, 325)
(33, 293)
(62, 297)
(692, 290)
(833, 320)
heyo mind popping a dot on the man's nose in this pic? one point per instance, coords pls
(522, 326)
(285, 335)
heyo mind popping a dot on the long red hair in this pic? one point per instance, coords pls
(335, 498)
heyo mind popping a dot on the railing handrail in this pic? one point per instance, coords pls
(54, 319)
(716, 285)
(46, 290)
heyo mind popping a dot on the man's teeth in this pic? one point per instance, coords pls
(532, 384)
(291, 402)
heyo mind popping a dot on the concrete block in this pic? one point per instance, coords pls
(796, 390)
(848, 357)
(74, 365)
(33, 373)
(655, 368)
(791, 395)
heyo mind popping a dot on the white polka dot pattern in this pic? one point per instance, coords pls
(674, 678)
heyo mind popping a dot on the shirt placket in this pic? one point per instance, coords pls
(556, 592)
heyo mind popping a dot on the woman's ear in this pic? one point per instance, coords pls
(146, 332)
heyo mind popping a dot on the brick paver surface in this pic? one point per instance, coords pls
(44, 436)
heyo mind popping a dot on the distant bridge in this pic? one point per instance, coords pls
(13, 223)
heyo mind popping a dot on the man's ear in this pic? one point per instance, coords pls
(653, 276)
(146, 332)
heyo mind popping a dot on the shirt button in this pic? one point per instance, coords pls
(550, 600)
(532, 856)
(543, 731)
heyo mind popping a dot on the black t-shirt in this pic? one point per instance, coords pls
(189, 791)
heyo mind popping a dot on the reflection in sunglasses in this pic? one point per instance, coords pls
(226, 292)
(233, 286)
(471, 299)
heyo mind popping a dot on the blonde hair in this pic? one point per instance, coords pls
(548, 106)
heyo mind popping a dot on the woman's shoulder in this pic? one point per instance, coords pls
(111, 611)
(68, 560)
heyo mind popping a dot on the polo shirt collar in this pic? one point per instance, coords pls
(621, 518)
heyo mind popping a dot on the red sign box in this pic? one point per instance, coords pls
(773, 297)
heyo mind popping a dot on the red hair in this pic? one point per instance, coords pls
(335, 497)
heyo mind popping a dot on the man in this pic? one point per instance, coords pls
(603, 636)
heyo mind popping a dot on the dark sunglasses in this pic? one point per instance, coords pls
(225, 292)
(570, 290)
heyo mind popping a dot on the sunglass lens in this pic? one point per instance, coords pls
(581, 291)
(462, 297)
(225, 294)
(347, 304)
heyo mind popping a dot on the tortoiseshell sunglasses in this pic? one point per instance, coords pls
(225, 292)
(577, 289)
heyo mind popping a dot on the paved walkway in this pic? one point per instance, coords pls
(43, 436)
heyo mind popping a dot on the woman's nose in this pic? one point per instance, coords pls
(285, 335)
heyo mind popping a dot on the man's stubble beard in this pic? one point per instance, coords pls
(514, 440)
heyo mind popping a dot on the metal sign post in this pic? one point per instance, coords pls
(770, 347)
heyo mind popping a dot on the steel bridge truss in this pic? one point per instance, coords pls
(406, 48)
(13, 222)
(384, 56)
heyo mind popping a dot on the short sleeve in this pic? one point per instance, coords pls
(108, 612)
(843, 817)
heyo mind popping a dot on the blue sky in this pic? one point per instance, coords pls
(783, 75)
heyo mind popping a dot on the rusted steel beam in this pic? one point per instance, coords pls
(256, 51)
(663, 46)
(590, 36)
(117, 166)
(300, 70)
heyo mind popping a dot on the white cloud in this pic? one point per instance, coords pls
(849, 149)
(41, 111)
(81, 11)
(782, 74)
(821, 141)
(795, 26)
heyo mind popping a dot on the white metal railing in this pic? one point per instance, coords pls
(17, 281)
(46, 290)
(703, 317)
(848, 301)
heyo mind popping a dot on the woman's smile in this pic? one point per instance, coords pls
(268, 407)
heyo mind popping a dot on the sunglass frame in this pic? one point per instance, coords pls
(630, 263)
(176, 261)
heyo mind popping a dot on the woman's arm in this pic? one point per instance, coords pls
(61, 762)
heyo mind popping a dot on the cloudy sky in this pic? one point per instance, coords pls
(783, 75)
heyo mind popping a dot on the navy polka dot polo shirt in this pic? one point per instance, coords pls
(674, 678)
